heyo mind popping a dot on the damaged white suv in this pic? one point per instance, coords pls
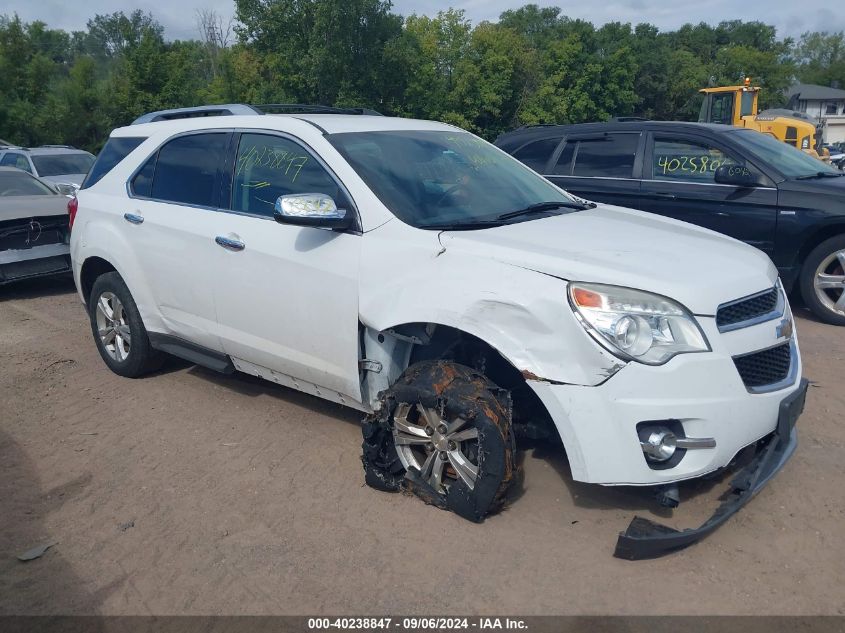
(417, 273)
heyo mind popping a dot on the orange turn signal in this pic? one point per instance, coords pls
(586, 298)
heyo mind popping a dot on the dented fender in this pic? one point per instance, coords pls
(522, 314)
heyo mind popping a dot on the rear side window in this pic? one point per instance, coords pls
(13, 159)
(142, 183)
(536, 154)
(115, 150)
(186, 169)
(564, 161)
(610, 156)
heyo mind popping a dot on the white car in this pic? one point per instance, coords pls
(413, 271)
(64, 167)
(34, 230)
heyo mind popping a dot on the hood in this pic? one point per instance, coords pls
(697, 267)
(825, 186)
(18, 207)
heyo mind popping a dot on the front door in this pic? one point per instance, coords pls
(286, 296)
(678, 182)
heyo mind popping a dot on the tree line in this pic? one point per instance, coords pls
(534, 65)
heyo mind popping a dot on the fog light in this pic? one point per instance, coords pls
(660, 446)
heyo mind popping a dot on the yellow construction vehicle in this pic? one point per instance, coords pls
(737, 105)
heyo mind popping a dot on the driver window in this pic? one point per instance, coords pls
(689, 161)
(271, 166)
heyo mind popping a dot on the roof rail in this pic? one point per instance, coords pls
(240, 109)
(229, 109)
(304, 108)
(55, 147)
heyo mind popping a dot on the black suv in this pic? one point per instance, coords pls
(735, 181)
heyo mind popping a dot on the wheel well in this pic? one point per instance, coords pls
(92, 268)
(530, 417)
(825, 233)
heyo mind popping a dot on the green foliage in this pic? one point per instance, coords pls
(535, 65)
(821, 58)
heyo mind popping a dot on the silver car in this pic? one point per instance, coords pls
(34, 231)
(61, 165)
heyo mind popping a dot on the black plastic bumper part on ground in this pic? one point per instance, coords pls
(646, 539)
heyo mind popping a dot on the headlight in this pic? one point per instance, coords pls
(636, 325)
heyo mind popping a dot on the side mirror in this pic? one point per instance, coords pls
(738, 176)
(311, 209)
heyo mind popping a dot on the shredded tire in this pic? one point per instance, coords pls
(454, 390)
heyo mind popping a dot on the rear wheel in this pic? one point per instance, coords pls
(444, 433)
(823, 280)
(118, 330)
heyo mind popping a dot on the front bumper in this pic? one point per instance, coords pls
(646, 539)
(703, 393)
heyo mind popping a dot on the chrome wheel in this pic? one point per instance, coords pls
(112, 327)
(442, 450)
(829, 282)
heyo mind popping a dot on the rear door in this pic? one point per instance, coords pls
(171, 219)
(603, 167)
(678, 182)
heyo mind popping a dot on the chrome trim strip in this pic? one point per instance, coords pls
(695, 442)
(647, 180)
(791, 376)
(762, 318)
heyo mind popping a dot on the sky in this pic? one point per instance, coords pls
(179, 17)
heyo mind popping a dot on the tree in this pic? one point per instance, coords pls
(820, 58)
(115, 34)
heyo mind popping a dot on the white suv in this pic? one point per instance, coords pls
(413, 271)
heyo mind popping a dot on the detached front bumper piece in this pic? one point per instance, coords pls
(646, 539)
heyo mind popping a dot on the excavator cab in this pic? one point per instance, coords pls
(737, 105)
(729, 105)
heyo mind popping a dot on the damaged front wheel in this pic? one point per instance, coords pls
(444, 433)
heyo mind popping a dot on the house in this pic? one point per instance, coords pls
(825, 104)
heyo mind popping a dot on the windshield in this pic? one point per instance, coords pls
(791, 162)
(19, 183)
(433, 179)
(61, 164)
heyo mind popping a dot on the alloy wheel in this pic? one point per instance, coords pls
(443, 451)
(112, 327)
(829, 282)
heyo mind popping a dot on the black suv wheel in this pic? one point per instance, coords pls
(823, 280)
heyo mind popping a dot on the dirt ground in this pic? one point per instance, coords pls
(192, 493)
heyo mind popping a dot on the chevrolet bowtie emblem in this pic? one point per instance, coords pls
(785, 329)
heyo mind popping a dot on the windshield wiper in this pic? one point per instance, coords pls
(539, 207)
(545, 206)
(819, 174)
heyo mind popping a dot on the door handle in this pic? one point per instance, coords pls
(232, 245)
(668, 196)
(133, 218)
